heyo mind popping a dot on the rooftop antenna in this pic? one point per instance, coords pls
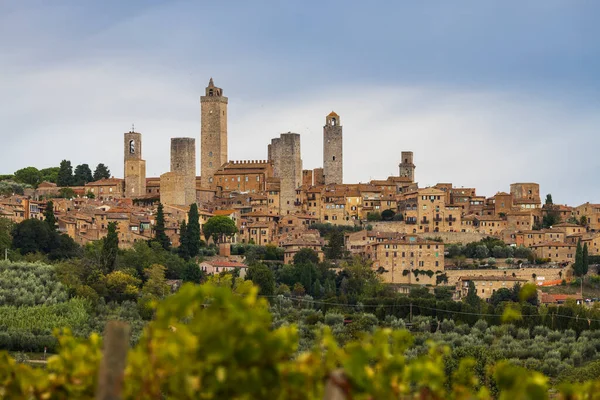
(132, 127)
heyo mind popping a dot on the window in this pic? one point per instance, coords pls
(210, 153)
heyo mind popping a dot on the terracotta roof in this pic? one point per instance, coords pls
(230, 264)
(553, 244)
(491, 278)
(223, 212)
(106, 182)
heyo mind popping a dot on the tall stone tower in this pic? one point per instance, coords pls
(284, 151)
(178, 187)
(213, 133)
(407, 168)
(134, 167)
(333, 167)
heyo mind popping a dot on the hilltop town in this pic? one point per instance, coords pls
(411, 235)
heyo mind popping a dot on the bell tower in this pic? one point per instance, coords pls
(407, 168)
(134, 166)
(333, 167)
(213, 133)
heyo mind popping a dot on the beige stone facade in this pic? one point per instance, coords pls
(485, 285)
(178, 187)
(134, 166)
(284, 152)
(333, 167)
(213, 133)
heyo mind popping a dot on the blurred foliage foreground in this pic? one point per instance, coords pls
(207, 342)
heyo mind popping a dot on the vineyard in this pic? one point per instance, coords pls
(207, 342)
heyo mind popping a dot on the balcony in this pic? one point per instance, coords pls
(411, 222)
(438, 219)
(424, 221)
(451, 219)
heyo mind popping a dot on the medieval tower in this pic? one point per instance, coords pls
(407, 168)
(284, 151)
(333, 167)
(178, 187)
(134, 166)
(213, 133)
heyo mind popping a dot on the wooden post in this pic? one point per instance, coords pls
(112, 366)
(337, 387)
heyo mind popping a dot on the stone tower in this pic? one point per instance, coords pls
(284, 151)
(134, 167)
(333, 167)
(178, 187)
(407, 168)
(213, 133)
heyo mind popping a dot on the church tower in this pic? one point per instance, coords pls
(135, 167)
(407, 168)
(213, 133)
(333, 167)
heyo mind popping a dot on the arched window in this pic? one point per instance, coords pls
(333, 158)
(333, 121)
(210, 92)
(132, 146)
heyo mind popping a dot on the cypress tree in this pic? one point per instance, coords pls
(159, 229)
(184, 248)
(193, 231)
(578, 266)
(49, 215)
(110, 248)
(585, 262)
(65, 174)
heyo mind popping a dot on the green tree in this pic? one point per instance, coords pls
(578, 265)
(583, 221)
(585, 260)
(121, 286)
(306, 256)
(501, 295)
(49, 215)
(6, 227)
(82, 175)
(32, 236)
(30, 176)
(156, 284)
(263, 277)
(193, 231)
(90, 195)
(335, 247)
(184, 250)
(66, 193)
(192, 273)
(49, 174)
(65, 174)
(374, 216)
(160, 234)
(218, 228)
(549, 199)
(110, 248)
(472, 299)
(101, 172)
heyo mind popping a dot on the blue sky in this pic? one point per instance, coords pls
(484, 93)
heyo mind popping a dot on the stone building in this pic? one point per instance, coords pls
(213, 134)
(526, 195)
(408, 261)
(135, 166)
(106, 189)
(178, 187)
(243, 176)
(333, 167)
(407, 167)
(318, 176)
(485, 286)
(284, 152)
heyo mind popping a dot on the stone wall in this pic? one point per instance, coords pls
(541, 274)
(407, 167)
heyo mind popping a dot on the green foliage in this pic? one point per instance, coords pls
(82, 175)
(6, 227)
(192, 273)
(28, 284)
(29, 176)
(218, 228)
(121, 286)
(193, 231)
(9, 188)
(472, 299)
(335, 247)
(49, 174)
(66, 193)
(306, 256)
(49, 217)
(184, 248)
(156, 285)
(65, 174)
(585, 259)
(373, 216)
(263, 277)
(159, 229)
(110, 248)
(388, 215)
(90, 195)
(101, 172)
(579, 269)
(35, 236)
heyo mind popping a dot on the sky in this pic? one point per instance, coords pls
(485, 93)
